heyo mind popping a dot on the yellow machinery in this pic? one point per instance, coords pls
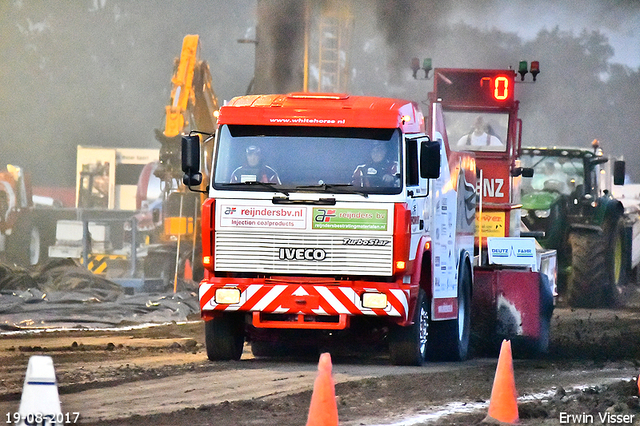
(193, 105)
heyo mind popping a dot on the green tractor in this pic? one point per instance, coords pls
(569, 206)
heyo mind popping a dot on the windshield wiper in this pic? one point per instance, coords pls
(333, 186)
(268, 185)
(324, 186)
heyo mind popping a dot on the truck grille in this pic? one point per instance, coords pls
(275, 253)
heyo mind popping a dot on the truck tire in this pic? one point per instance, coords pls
(450, 338)
(224, 337)
(24, 245)
(546, 313)
(408, 345)
(598, 275)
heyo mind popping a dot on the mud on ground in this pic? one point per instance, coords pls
(591, 370)
(586, 344)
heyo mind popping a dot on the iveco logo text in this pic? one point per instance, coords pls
(301, 254)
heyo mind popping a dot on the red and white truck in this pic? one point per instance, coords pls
(342, 242)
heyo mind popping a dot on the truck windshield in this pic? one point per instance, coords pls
(325, 159)
(553, 173)
(477, 131)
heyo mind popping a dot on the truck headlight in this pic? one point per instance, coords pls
(543, 213)
(524, 213)
(227, 296)
(374, 300)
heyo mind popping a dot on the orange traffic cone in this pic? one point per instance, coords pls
(188, 270)
(503, 406)
(323, 410)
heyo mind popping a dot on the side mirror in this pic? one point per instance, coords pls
(522, 171)
(618, 172)
(598, 160)
(191, 160)
(430, 159)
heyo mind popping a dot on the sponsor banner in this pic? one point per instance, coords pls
(350, 219)
(493, 224)
(247, 216)
(513, 252)
(445, 308)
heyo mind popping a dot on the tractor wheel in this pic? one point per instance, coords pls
(450, 338)
(617, 268)
(588, 269)
(224, 337)
(598, 272)
(408, 345)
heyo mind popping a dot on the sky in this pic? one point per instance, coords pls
(619, 20)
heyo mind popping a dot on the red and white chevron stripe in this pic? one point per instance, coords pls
(306, 299)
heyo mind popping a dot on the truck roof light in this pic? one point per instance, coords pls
(522, 69)
(306, 95)
(426, 66)
(415, 66)
(535, 69)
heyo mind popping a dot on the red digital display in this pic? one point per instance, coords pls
(501, 88)
(465, 87)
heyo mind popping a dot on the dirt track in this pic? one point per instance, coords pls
(160, 375)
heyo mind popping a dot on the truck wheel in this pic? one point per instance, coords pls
(546, 313)
(450, 338)
(224, 338)
(23, 245)
(408, 345)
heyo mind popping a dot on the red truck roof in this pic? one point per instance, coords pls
(323, 109)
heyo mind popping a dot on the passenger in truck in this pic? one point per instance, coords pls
(378, 172)
(254, 170)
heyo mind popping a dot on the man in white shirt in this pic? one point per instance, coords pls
(479, 136)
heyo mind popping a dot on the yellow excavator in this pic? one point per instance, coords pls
(175, 253)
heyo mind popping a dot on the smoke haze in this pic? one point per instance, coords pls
(97, 72)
